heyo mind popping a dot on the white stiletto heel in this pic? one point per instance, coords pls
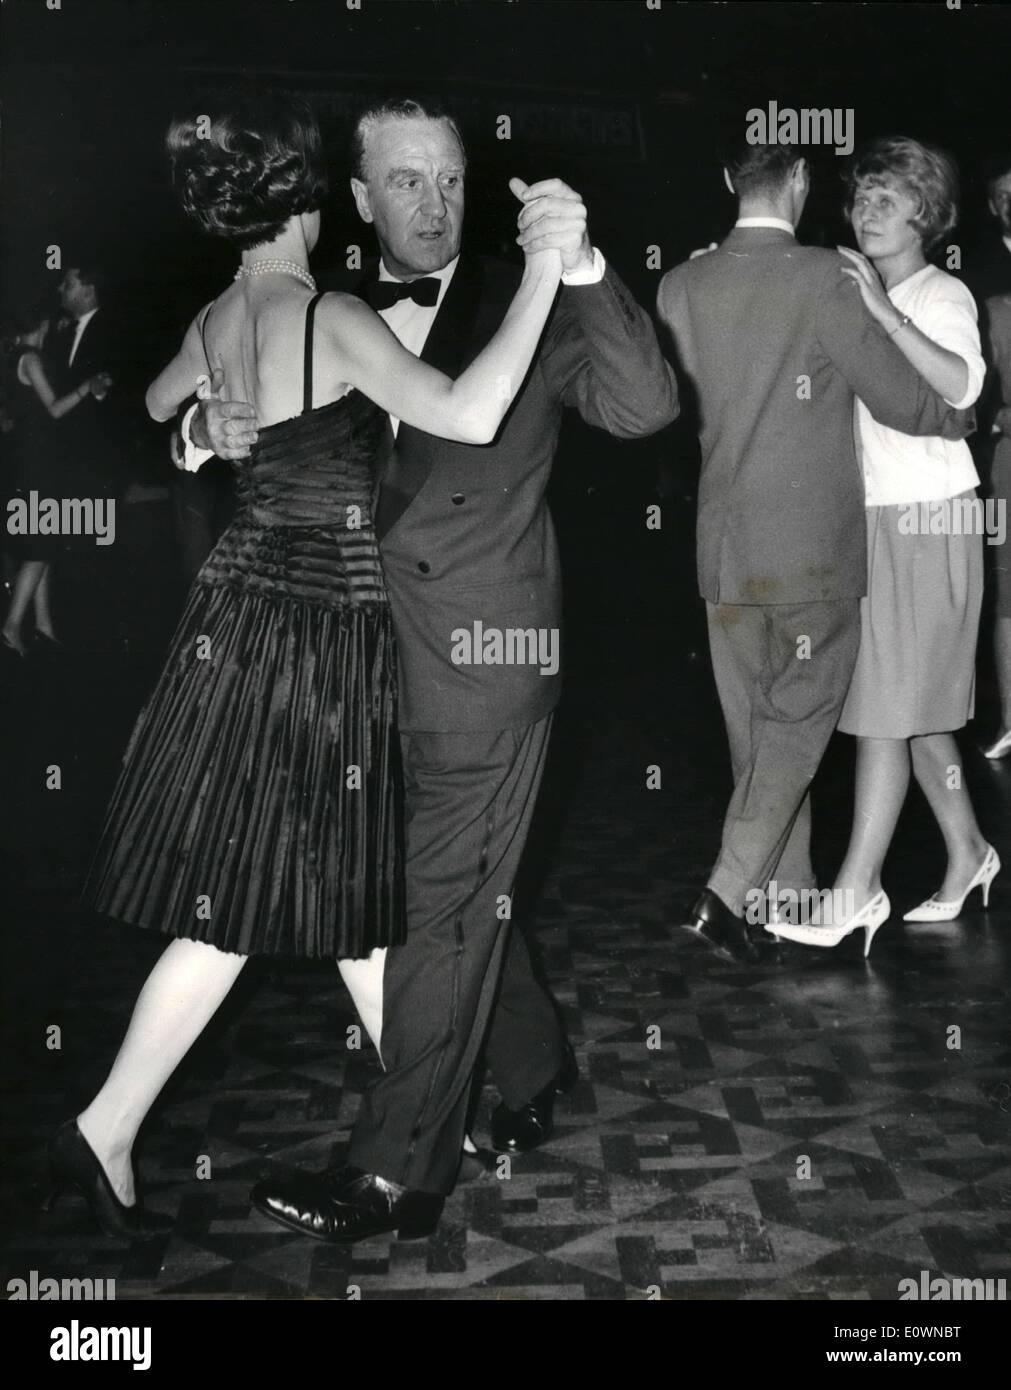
(1000, 749)
(936, 909)
(869, 932)
(872, 915)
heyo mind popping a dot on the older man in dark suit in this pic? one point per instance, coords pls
(472, 568)
(776, 342)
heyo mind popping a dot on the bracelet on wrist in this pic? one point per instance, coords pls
(901, 324)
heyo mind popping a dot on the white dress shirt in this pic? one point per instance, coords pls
(411, 322)
(82, 324)
(779, 222)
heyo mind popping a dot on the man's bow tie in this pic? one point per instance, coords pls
(383, 294)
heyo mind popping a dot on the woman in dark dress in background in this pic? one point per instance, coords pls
(36, 410)
(258, 810)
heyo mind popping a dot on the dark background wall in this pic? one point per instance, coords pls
(624, 102)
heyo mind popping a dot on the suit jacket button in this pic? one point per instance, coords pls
(458, 499)
(424, 566)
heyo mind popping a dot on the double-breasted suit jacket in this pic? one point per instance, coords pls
(465, 531)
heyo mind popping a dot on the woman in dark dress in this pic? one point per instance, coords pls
(36, 409)
(258, 808)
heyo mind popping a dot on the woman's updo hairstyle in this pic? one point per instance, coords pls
(248, 164)
(22, 323)
(29, 318)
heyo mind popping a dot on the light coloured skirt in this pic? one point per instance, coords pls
(916, 668)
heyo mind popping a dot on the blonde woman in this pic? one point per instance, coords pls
(914, 681)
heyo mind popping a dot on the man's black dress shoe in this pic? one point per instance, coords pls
(348, 1205)
(727, 936)
(519, 1131)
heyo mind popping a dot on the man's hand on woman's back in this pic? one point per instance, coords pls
(227, 427)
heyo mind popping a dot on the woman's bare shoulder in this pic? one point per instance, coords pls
(338, 304)
(337, 297)
(349, 322)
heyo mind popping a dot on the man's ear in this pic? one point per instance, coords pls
(726, 180)
(361, 196)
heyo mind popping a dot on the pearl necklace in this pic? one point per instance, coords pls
(276, 266)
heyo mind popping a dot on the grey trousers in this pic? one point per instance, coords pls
(463, 979)
(782, 672)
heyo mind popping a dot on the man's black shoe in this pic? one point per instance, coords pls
(347, 1205)
(519, 1131)
(727, 936)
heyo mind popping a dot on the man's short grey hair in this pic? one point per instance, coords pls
(396, 109)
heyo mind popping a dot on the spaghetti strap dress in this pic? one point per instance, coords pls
(259, 805)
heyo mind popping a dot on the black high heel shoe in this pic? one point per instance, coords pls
(73, 1163)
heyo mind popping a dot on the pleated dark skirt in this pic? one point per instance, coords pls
(259, 804)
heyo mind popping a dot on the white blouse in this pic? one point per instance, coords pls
(913, 468)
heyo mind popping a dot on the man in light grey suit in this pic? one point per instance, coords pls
(776, 343)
